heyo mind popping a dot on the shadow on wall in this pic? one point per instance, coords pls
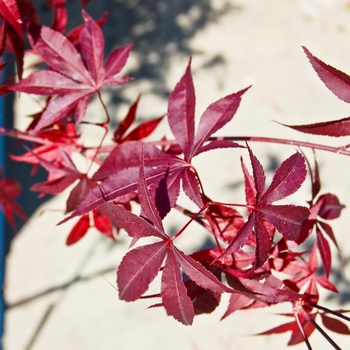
(157, 28)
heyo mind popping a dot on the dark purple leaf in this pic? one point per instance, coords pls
(330, 207)
(287, 219)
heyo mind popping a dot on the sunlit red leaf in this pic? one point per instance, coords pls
(287, 179)
(181, 110)
(335, 80)
(60, 16)
(77, 80)
(173, 291)
(198, 273)
(138, 269)
(79, 230)
(215, 117)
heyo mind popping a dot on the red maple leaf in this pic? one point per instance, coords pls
(141, 265)
(12, 29)
(161, 167)
(72, 79)
(325, 207)
(143, 130)
(287, 219)
(308, 279)
(339, 83)
(9, 190)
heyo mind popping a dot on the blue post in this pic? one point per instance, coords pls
(2, 228)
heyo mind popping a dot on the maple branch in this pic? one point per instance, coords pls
(17, 134)
(337, 150)
(314, 323)
(329, 339)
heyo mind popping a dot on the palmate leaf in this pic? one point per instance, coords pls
(143, 130)
(141, 265)
(12, 28)
(181, 116)
(120, 172)
(121, 166)
(287, 219)
(9, 190)
(296, 336)
(73, 80)
(138, 269)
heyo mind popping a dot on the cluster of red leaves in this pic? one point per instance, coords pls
(248, 248)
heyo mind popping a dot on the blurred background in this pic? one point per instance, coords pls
(60, 297)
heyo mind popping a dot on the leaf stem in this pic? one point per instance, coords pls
(338, 150)
(103, 125)
(301, 328)
(104, 108)
(195, 216)
(313, 322)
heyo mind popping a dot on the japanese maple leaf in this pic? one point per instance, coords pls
(339, 83)
(62, 174)
(325, 207)
(12, 29)
(101, 222)
(60, 16)
(141, 265)
(72, 79)
(119, 172)
(16, 16)
(309, 279)
(287, 219)
(47, 144)
(120, 135)
(9, 190)
(305, 323)
(294, 326)
(181, 118)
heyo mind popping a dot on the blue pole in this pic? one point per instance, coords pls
(2, 228)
